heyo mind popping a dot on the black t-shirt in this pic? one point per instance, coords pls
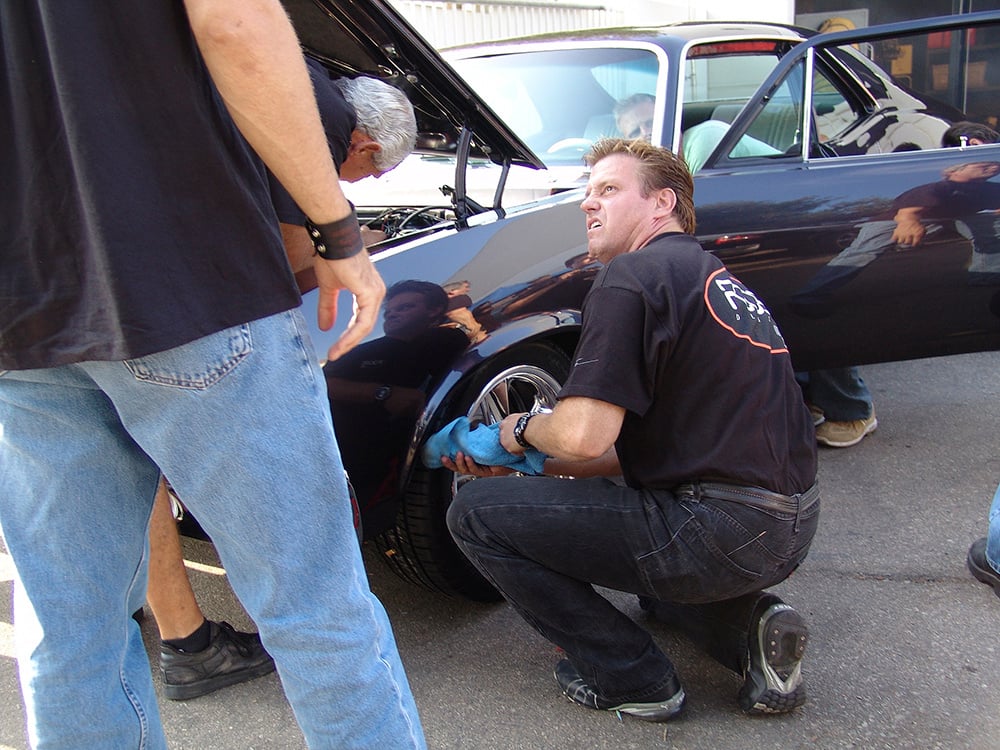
(339, 120)
(135, 217)
(700, 368)
(948, 199)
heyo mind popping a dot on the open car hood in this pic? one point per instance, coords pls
(370, 37)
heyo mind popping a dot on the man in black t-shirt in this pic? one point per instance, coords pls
(149, 325)
(682, 384)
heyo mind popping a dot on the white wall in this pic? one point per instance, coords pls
(646, 12)
(445, 23)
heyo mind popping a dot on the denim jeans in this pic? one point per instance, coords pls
(993, 535)
(545, 542)
(239, 422)
(840, 392)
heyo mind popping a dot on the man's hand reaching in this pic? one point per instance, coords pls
(357, 275)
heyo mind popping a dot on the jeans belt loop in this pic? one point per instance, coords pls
(690, 490)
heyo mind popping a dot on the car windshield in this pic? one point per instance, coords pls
(560, 101)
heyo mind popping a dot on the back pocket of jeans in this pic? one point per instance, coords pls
(692, 568)
(197, 365)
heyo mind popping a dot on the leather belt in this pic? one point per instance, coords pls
(754, 496)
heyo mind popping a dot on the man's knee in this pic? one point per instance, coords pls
(462, 511)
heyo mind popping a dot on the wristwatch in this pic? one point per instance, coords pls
(519, 428)
(383, 392)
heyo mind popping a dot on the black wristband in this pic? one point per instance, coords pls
(337, 240)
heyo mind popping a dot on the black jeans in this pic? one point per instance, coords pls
(544, 542)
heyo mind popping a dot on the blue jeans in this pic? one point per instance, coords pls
(239, 422)
(545, 542)
(840, 392)
(993, 535)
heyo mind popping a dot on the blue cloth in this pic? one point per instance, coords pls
(482, 445)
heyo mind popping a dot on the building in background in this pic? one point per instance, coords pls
(445, 23)
(813, 13)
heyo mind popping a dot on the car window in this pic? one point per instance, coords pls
(875, 97)
(901, 93)
(921, 84)
(833, 112)
(719, 78)
(728, 71)
(560, 101)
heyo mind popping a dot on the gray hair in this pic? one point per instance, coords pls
(385, 115)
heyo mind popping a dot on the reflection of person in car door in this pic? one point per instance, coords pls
(378, 390)
(965, 196)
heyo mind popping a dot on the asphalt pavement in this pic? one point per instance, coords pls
(904, 649)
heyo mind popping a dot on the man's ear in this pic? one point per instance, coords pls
(362, 143)
(666, 200)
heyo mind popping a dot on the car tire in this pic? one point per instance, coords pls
(419, 548)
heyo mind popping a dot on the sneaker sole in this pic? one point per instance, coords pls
(204, 687)
(576, 691)
(652, 711)
(983, 576)
(782, 642)
(848, 443)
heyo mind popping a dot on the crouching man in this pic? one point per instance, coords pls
(683, 386)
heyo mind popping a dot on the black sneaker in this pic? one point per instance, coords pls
(230, 658)
(980, 567)
(773, 683)
(659, 707)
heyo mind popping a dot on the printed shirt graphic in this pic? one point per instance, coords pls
(702, 371)
(741, 312)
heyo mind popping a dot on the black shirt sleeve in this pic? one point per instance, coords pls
(339, 121)
(610, 361)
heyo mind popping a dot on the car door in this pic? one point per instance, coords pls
(815, 224)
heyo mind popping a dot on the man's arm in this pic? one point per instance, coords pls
(255, 61)
(578, 436)
(909, 231)
(605, 466)
(254, 57)
(578, 429)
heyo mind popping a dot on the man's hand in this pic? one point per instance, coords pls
(358, 276)
(465, 465)
(909, 230)
(507, 434)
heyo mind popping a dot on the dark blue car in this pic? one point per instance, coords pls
(805, 143)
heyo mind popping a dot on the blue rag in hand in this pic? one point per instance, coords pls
(482, 445)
